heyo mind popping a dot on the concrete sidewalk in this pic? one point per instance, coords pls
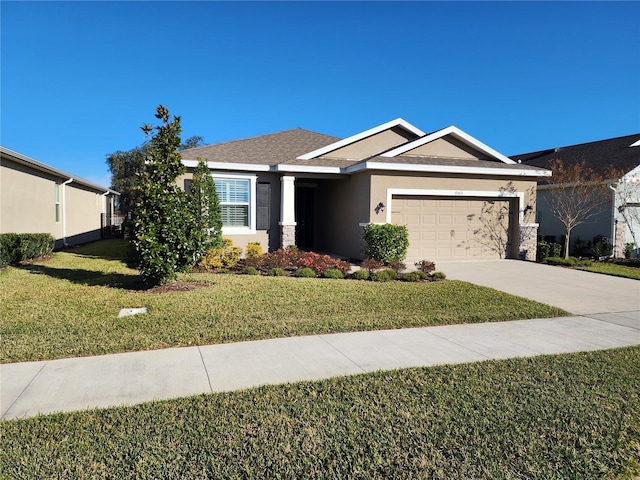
(129, 378)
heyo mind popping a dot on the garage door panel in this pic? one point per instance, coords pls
(450, 228)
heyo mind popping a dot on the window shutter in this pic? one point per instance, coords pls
(187, 185)
(263, 196)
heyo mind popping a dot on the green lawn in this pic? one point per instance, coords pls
(574, 416)
(68, 306)
(613, 269)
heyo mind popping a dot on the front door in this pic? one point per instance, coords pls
(305, 210)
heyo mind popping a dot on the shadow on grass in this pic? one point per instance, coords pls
(112, 249)
(88, 277)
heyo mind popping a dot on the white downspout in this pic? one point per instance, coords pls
(64, 212)
(614, 214)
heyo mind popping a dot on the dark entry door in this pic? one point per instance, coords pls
(305, 208)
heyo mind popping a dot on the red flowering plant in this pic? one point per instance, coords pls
(284, 258)
(320, 263)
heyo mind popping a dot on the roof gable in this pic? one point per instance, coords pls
(370, 142)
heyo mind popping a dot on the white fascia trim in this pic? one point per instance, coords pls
(455, 132)
(453, 193)
(251, 167)
(635, 144)
(398, 122)
(409, 167)
(307, 169)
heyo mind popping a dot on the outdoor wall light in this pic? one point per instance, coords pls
(380, 207)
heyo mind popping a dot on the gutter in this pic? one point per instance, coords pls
(64, 212)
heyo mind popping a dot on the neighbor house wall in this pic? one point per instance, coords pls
(28, 205)
(27, 200)
(550, 226)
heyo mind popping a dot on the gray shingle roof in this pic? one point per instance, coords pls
(599, 156)
(270, 149)
(452, 162)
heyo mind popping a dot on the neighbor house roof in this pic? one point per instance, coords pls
(43, 167)
(301, 150)
(621, 153)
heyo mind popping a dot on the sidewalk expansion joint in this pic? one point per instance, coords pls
(341, 353)
(24, 390)
(205, 369)
(486, 357)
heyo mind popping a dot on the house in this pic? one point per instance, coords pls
(619, 220)
(38, 198)
(319, 192)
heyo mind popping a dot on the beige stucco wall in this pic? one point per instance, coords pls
(447, 147)
(27, 205)
(83, 210)
(27, 200)
(372, 145)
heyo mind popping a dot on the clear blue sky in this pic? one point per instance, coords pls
(78, 79)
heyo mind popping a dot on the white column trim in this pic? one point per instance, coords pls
(287, 200)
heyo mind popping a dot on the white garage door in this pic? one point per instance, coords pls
(443, 228)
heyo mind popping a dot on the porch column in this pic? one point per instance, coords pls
(287, 211)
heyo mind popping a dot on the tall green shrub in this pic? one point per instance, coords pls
(15, 247)
(205, 208)
(386, 243)
(162, 220)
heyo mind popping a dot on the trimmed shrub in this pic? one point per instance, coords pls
(628, 250)
(16, 247)
(385, 275)
(397, 266)
(249, 271)
(333, 273)
(360, 274)
(282, 258)
(425, 266)
(276, 272)
(254, 249)
(386, 243)
(438, 276)
(371, 265)
(319, 263)
(304, 272)
(226, 257)
(602, 247)
(546, 250)
(412, 276)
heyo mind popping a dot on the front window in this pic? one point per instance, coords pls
(236, 197)
(57, 190)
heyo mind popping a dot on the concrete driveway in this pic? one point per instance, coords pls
(578, 292)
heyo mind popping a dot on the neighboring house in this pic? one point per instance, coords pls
(318, 192)
(37, 198)
(619, 220)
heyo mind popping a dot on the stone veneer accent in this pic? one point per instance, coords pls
(287, 235)
(528, 245)
(620, 238)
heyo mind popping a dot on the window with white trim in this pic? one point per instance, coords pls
(57, 189)
(237, 202)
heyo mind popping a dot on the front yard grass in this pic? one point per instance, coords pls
(68, 306)
(553, 417)
(613, 269)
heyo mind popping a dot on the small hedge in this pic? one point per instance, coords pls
(386, 243)
(16, 247)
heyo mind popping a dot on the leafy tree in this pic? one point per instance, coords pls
(161, 218)
(125, 168)
(577, 194)
(192, 142)
(205, 208)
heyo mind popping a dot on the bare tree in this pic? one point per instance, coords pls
(577, 194)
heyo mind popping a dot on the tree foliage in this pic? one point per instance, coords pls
(192, 142)
(578, 193)
(125, 168)
(205, 209)
(161, 219)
